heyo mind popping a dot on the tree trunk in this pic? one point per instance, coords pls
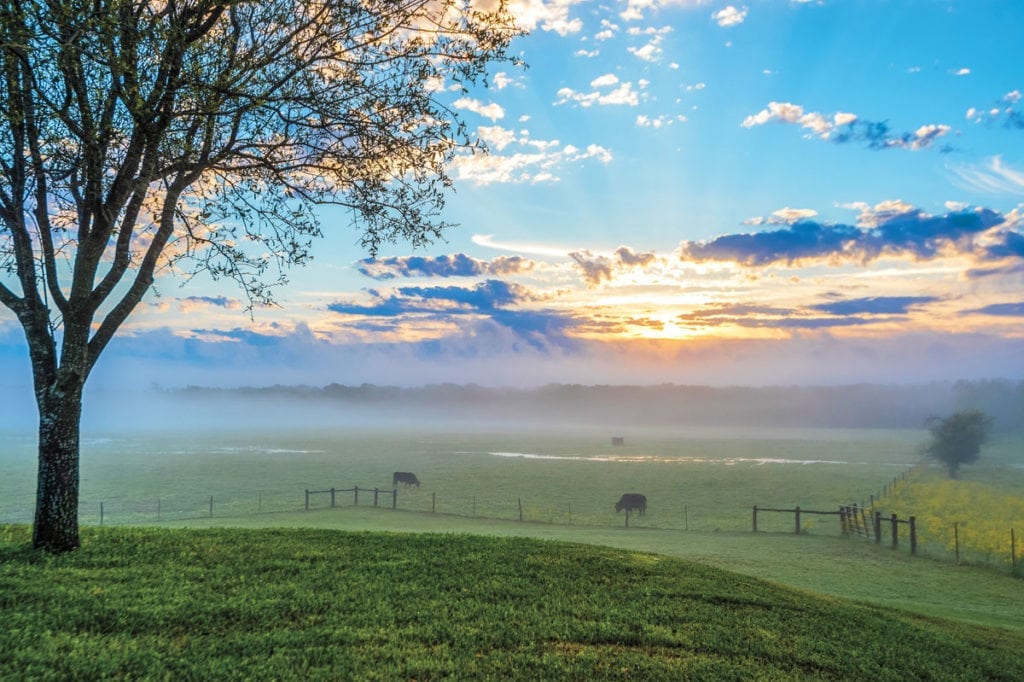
(56, 521)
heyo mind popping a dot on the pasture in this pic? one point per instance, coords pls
(700, 485)
(693, 479)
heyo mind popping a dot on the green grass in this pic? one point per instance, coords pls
(317, 604)
(697, 479)
(847, 568)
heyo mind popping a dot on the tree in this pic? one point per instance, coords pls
(957, 439)
(177, 137)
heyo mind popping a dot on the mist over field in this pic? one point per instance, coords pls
(472, 406)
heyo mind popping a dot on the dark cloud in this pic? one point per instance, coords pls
(454, 265)
(1001, 309)
(487, 295)
(878, 135)
(797, 322)
(219, 301)
(733, 310)
(389, 306)
(1012, 246)
(805, 239)
(877, 305)
(922, 235)
(842, 314)
(911, 233)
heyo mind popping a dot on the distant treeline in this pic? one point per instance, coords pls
(848, 406)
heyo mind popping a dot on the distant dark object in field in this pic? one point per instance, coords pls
(618, 440)
(631, 501)
(404, 477)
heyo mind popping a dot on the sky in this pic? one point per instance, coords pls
(684, 191)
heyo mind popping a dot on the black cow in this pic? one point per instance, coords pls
(632, 501)
(404, 477)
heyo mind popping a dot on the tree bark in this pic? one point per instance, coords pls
(56, 519)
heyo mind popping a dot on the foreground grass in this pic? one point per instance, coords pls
(308, 604)
(848, 568)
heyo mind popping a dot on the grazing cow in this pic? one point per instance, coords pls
(404, 477)
(632, 501)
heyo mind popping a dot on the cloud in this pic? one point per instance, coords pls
(502, 80)
(191, 303)
(650, 52)
(619, 94)
(1001, 310)
(599, 268)
(454, 265)
(483, 297)
(635, 9)
(843, 127)
(488, 295)
(772, 317)
(908, 233)
(874, 305)
(730, 16)
(645, 121)
(789, 215)
(1003, 112)
(993, 177)
(550, 15)
(537, 161)
(492, 111)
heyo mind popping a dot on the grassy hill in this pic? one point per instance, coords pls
(321, 604)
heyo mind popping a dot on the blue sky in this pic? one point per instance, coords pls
(777, 191)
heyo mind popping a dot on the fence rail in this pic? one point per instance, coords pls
(333, 492)
(848, 515)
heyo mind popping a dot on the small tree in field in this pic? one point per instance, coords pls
(958, 438)
(179, 137)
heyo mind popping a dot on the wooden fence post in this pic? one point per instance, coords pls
(956, 540)
(755, 518)
(878, 526)
(332, 498)
(356, 491)
(520, 508)
(375, 494)
(913, 536)
(394, 498)
(101, 513)
(1013, 551)
(895, 532)
(798, 520)
(627, 517)
(307, 499)
(211, 506)
(842, 520)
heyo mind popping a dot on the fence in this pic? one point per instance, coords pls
(852, 520)
(355, 490)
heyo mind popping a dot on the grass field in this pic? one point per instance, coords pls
(703, 481)
(312, 604)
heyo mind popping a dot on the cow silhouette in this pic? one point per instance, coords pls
(632, 501)
(404, 477)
